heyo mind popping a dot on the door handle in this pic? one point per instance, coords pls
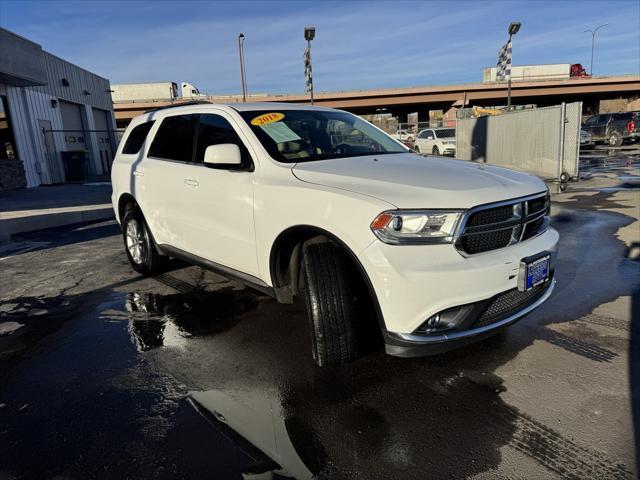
(191, 182)
(138, 173)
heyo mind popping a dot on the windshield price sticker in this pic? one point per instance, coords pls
(267, 118)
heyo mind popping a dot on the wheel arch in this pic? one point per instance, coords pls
(124, 200)
(284, 263)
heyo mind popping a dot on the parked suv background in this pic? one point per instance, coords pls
(314, 204)
(613, 128)
(436, 141)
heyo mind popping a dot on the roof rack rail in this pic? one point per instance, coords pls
(181, 104)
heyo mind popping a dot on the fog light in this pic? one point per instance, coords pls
(434, 321)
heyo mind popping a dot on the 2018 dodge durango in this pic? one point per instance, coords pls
(318, 204)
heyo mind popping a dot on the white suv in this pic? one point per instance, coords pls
(300, 201)
(436, 141)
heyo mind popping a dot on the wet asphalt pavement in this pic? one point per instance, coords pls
(105, 374)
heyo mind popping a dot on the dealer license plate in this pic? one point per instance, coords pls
(533, 271)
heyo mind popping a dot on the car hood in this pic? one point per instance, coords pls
(407, 180)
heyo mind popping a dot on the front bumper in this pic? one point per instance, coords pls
(449, 151)
(414, 282)
(402, 345)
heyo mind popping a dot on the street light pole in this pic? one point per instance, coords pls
(513, 29)
(593, 43)
(243, 75)
(380, 110)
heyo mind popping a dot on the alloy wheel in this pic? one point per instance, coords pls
(135, 240)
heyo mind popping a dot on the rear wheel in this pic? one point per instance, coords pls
(435, 151)
(139, 245)
(332, 306)
(615, 139)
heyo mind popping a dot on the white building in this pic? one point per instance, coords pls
(56, 119)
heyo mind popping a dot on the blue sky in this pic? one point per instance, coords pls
(358, 45)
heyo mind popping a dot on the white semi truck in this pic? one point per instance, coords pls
(528, 73)
(150, 92)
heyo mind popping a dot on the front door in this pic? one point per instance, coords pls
(220, 215)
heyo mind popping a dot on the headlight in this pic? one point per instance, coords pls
(399, 227)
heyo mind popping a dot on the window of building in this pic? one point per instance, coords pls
(137, 138)
(174, 138)
(7, 141)
(214, 130)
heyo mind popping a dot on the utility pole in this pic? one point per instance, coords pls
(243, 75)
(593, 43)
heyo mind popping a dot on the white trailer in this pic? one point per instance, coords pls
(529, 73)
(139, 92)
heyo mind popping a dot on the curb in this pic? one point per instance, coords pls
(30, 223)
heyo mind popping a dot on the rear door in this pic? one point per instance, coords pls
(166, 172)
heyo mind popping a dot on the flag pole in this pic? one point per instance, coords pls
(309, 34)
(509, 85)
(311, 86)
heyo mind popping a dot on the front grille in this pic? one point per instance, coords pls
(491, 228)
(506, 304)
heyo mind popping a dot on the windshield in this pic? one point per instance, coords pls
(446, 133)
(292, 136)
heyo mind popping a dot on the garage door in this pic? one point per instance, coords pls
(105, 150)
(74, 135)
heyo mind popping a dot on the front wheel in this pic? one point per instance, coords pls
(331, 304)
(615, 139)
(139, 245)
(416, 148)
(435, 151)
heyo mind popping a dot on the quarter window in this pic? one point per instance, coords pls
(174, 139)
(215, 130)
(136, 138)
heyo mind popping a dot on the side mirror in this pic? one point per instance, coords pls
(222, 154)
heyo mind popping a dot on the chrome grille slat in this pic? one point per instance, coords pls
(517, 220)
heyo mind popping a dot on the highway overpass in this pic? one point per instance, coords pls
(402, 101)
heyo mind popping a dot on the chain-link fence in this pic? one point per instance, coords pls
(542, 141)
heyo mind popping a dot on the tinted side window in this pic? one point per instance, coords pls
(136, 138)
(622, 116)
(174, 138)
(214, 130)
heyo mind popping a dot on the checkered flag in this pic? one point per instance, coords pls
(504, 62)
(308, 77)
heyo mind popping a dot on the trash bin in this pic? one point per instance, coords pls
(75, 165)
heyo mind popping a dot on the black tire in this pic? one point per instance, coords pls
(416, 148)
(615, 139)
(331, 300)
(436, 151)
(148, 261)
